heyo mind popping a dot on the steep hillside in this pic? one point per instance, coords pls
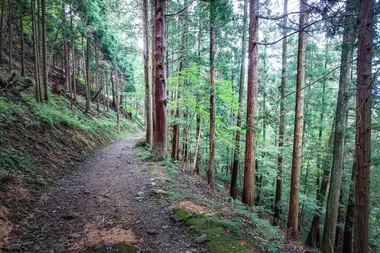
(40, 142)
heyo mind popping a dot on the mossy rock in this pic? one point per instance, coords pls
(160, 193)
(180, 214)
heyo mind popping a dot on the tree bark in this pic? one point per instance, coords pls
(88, 74)
(22, 41)
(160, 132)
(211, 164)
(236, 157)
(281, 131)
(298, 127)
(74, 79)
(148, 85)
(349, 221)
(10, 42)
(198, 126)
(97, 75)
(250, 147)
(44, 51)
(117, 96)
(35, 52)
(328, 240)
(363, 125)
(1, 30)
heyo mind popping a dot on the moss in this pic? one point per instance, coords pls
(180, 214)
(220, 241)
(160, 193)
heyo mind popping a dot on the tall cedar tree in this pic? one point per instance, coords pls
(160, 132)
(277, 200)
(236, 158)
(211, 163)
(88, 74)
(22, 40)
(340, 126)
(250, 146)
(44, 51)
(10, 35)
(1, 30)
(148, 85)
(363, 125)
(298, 126)
(38, 92)
(117, 96)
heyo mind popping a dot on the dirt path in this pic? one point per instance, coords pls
(107, 200)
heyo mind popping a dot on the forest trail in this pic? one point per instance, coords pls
(107, 200)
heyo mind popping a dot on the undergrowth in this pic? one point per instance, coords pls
(57, 128)
(233, 227)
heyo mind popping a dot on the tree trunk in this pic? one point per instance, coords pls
(44, 51)
(160, 132)
(153, 64)
(349, 222)
(236, 157)
(329, 230)
(22, 41)
(198, 127)
(250, 147)
(1, 30)
(211, 165)
(74, 81)
(196, 156)
(117, 96)
(281, 131)
(363, 125)
(148, 85)
(97, 75)
(107, 87)
(298, 127)
(10, 35)
(88, 75)
(35, 52)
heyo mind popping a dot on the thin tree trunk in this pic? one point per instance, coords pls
(328, 240)
(160, 131)
(35, 52)
(88, 75)
(363, 126)
(236, 156)
(281, 131)
(196, 156)
(250, 147)
(148, 85)
(44, 51)
(211, 165)
(298, 127)
(107, 88)
(349, 221)
(22, 41)
(117, 96)
(74, 81)
(10, 35)
(1, 30)
(198, 127)
(97, 74)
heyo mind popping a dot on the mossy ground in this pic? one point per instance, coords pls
(233, 227)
